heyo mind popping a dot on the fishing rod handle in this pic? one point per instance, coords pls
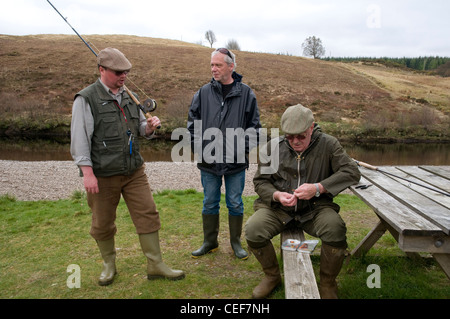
(147, 115)
(366, 165)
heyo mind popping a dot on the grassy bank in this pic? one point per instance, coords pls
(353, 101)
(374, 129)
(41, 239)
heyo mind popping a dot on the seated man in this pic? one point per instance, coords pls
(313, 168)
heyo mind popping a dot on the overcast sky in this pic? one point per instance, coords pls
(352, 28)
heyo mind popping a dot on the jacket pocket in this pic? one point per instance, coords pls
(111, 156)
(111, 128)
(282, 185)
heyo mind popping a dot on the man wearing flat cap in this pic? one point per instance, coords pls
(106, 123)
(313, 168)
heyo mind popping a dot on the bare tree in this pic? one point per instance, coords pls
(232, 44)
(313, 47)
(210, 37)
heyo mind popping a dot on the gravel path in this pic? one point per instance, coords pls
(54, 180)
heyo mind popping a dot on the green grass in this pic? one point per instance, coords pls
(40, 239)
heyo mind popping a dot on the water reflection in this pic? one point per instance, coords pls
(401, 154)
(376, 154)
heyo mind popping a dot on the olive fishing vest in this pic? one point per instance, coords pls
(115, 146)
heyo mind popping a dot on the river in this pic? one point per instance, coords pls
(375, 154)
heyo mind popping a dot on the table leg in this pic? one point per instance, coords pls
(370, 239)
(444, 261)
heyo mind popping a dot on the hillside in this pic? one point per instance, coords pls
(40, 75)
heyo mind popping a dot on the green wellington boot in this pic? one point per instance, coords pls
(331, 260)
(108, 253)
(269, 262)
(155, 267)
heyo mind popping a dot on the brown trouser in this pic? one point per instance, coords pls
(137, 194)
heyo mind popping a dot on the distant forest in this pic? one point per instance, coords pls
(438, 65)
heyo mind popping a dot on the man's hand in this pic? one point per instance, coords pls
(307, 191)
(285, 199)
(89, 180)
(152, 123)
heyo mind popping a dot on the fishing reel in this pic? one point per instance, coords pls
(149, 105)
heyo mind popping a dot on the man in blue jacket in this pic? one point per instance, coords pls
(224, 124)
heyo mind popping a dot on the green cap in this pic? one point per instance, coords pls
(113, 59)
(296, 119)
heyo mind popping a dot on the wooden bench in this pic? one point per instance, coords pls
(299, 279)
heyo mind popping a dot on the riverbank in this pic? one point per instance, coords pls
(61, 135)
(355, 102)
(53, 180)
(160, 151)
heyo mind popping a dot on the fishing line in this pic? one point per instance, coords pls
(92, 50)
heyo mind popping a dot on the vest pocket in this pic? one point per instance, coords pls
(112, 156)
(110, 126)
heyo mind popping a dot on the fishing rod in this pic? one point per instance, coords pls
(405, 179)
(149, 104)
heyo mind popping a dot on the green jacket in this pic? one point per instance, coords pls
(115, 143)
(324, 161)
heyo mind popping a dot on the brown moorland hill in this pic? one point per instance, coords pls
(41, 73)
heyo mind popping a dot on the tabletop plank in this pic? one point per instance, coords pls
(402, 218)
(443, 171)
(416, 201)
(429, 179)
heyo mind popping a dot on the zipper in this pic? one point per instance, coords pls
(221, 111)
(299, 158)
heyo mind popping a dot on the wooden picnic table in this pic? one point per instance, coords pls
(417, 217)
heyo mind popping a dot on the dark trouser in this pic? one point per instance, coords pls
(137, 194)
(327, 225)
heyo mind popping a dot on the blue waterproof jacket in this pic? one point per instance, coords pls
(235, 116)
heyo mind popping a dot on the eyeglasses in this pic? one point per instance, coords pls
(117, 73)
(298, 136)
(225, 51)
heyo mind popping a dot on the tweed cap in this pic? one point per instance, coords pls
(113, 59)
(296, 119)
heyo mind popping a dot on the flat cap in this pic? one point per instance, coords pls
(113, 59)
(296, 119)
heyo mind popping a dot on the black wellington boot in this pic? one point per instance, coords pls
(235, 225)
(210, 233)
